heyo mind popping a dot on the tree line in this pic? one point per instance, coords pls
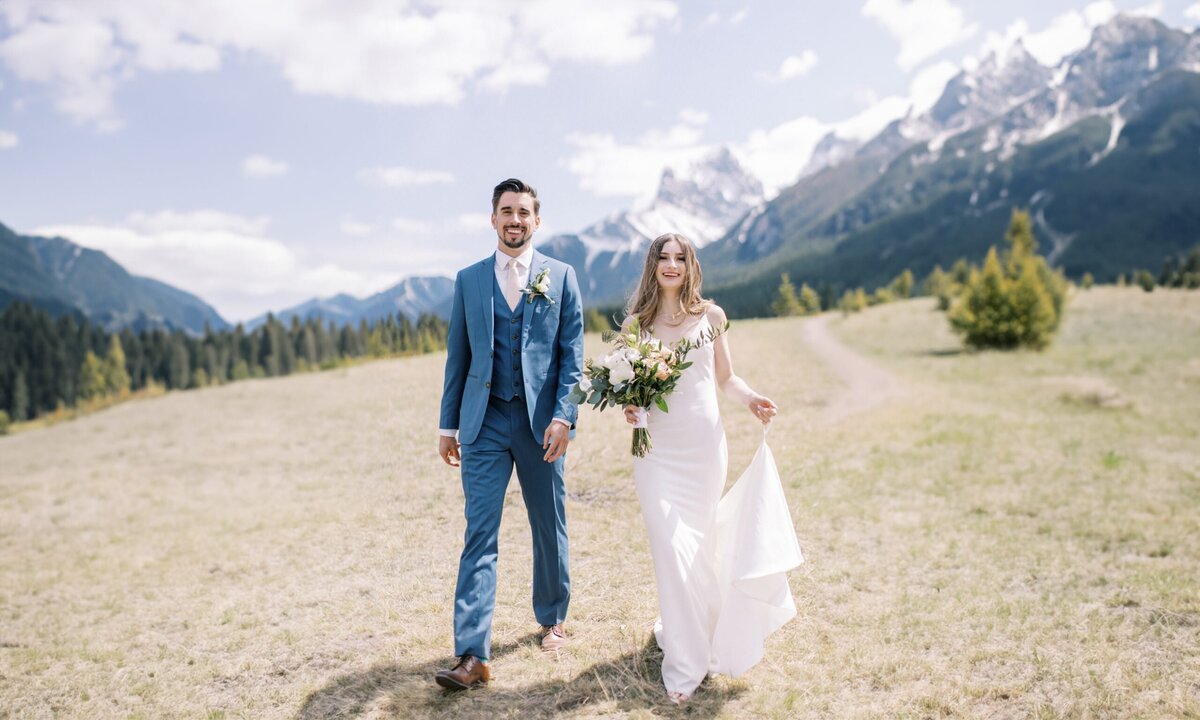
(49, 364)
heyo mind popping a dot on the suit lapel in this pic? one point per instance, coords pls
(485, 278)
(536, 264)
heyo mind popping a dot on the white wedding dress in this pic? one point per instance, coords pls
(720, 564)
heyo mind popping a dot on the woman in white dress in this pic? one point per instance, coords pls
(680, 479)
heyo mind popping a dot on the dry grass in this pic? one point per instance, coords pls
(977, 546)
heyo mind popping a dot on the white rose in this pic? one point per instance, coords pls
(620, 372)
(632, 355)
(585, 384)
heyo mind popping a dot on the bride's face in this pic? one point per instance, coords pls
(671, 269)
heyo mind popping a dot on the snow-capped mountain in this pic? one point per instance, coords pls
(700, 203)
(411, 297)
(1075, 143)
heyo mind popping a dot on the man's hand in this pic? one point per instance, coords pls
(448, 449)
(555, 441)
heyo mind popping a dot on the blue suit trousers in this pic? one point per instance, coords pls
(505, 440)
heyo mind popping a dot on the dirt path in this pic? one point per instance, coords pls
(866, 384)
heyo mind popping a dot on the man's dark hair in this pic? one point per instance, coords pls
(517, 186)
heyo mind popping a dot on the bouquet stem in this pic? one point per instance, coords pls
(641, 442)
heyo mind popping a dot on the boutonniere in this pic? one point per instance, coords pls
(538, 287)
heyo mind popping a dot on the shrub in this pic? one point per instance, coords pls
(1087, 281)
(4, 423)
(786, 303)
(1017, 303)
(1145, 280)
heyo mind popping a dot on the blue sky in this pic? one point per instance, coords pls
(261, 153)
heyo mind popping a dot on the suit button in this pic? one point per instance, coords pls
(516, 320)
(516, 367)
(487, 384)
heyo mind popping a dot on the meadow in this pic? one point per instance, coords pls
(987, 535)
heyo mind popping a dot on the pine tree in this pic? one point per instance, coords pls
(179, 370)
(809, 300)
(116, 376)
(902, 286)
(1145, 280)
(92, 383)
(20, 399)
(594, 321)
(1019, 302)
(786, 303)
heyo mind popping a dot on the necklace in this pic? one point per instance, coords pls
(672, 319)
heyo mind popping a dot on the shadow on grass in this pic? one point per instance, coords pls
(631, 681)
(945, 352)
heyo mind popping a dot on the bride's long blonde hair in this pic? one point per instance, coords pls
(647, 299)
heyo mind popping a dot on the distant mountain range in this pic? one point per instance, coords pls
(62, 277)
(411, 297)
(701, 203)
(1103, 149)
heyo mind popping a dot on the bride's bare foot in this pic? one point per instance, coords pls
(677, 698)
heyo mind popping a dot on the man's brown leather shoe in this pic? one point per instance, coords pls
(553, 637)
(468, 673)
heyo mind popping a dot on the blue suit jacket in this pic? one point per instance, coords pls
(551, 348)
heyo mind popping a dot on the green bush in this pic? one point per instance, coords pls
(1017, 303)
(4, 423)
(786, 303)
(1145, 280)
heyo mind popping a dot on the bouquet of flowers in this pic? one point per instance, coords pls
(639, 371)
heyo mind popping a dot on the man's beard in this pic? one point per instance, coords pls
(515, 243)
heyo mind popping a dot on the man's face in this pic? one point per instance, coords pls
(515, 222)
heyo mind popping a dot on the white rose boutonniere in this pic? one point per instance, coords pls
(539, 287)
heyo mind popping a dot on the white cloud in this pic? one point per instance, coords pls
(261, 166)
(610, 33)
(1066, 33)
(354, 228)
(226, 259)
(8, 140)
(472, 222)
(927, 85)
(922, 27)
(412, 226)
(868, 123)
(792, 67)
(403, 177)
(735, 18)
(199, 221)
(375, 51)
(1192, 12)
(778, 155)
(1154, 10)
(692, 116)
(609, 167)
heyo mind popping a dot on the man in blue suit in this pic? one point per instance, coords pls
(514, 351)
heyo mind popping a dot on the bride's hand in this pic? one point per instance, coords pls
(631, 414)
(763, 408)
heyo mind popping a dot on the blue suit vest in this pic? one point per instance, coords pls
(508, 381)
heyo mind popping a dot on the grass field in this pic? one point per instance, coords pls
(1003, 535)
